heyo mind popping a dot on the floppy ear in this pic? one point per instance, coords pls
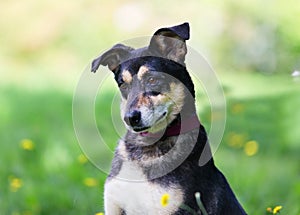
(112, 57)
(170, 42)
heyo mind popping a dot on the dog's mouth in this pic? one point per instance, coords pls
(140, 129)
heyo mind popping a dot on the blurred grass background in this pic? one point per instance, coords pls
(254, 46)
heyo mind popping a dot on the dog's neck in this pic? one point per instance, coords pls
(177, 127)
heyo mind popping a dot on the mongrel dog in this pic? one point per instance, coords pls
(161, 150)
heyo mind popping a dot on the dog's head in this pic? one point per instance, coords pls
(153, 80)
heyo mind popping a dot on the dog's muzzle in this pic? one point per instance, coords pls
(134, 120)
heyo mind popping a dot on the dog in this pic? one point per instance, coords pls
(159, 154)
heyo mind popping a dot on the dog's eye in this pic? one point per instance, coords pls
(152, 80)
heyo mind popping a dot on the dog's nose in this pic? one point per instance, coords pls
(133, 118)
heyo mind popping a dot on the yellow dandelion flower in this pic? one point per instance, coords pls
(27, 144)
(90, 182)
(269, 209)
(99, 213)
(237, 108)
(82, 159)
(27, 213)
(277, 209)
(236, 140)
(164, 201)
(251, 148)
(15, 184)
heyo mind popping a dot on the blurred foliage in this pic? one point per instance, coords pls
(261, 36)
(58, 39)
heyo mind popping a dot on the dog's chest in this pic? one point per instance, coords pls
(133, 193)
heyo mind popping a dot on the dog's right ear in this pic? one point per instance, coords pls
(170, 42)
(112, 58)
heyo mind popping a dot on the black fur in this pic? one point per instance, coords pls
(216, 194)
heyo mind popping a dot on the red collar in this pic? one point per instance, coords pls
(181, 127)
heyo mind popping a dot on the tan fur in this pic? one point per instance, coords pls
(143, 101)
(142, 71)
(177, 95)
(127, 77)
(159, 99)
(174, 98)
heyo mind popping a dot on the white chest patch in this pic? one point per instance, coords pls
(131, 191)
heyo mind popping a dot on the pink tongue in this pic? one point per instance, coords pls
(148, 134)
(145, 133)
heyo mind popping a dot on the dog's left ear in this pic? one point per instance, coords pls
(112, 58)
(170, 42)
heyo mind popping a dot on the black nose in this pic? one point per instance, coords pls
(133, 118)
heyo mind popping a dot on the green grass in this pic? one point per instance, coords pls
(53, 181)
(271, 176)
(264, 109)
(52, 177)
